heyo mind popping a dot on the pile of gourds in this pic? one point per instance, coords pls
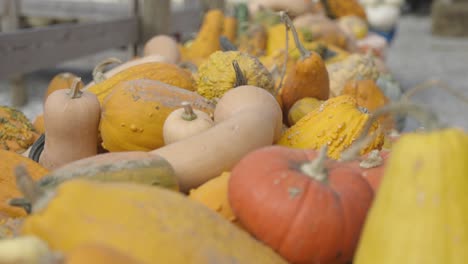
(268, 138)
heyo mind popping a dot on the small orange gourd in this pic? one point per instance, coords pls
(185, 122)
(307, 78)
(71, 119)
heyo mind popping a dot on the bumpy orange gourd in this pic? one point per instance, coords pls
(61, 81)
(307, 78)
(207, 40)
(8, 162)
(16, 131)
(336, 123)
(159, 71)
(133, 114)
(214, 195)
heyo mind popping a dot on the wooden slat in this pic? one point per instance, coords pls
(28, 50)
(186, 20)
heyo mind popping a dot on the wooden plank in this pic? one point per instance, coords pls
(33, 49)
(186, 20)
(154, 18)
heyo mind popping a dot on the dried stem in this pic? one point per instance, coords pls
(305, 53)
(98, 71)
(188, 114)
(240, 77)
(75, 89)
(316, 169)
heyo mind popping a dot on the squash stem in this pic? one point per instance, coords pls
(98, 71)
(75, 91)
(240, 77)
(305, 53)
(373, 160)
(21, 202)
(188, 114)
(316, 169)
(226, 44)
(426, 117)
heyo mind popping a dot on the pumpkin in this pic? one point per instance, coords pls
(16, 131)
(254, 41)
(214, 195)
(25, 249)
(424, 180)
(185, 122)
(336, 123)
(307, 78)
(38, 124)
(341, 8)
(206, 41)
(139, 125)
(217, 74)
(353, 26)
(61, 81)
(8, 190)
(230, 28)
(353, 67)
(246, 118)
(301, 108)
(307, 208)
(168, 218)
(158, 71)
(96, 253)
(71, 119)
(163, 45)
(369, 96)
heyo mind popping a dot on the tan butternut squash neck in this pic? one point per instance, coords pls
(75, 91)
(240, 77)
(316, 168)
(188, 114)
(305, 53)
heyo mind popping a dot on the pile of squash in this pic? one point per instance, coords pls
(268, 138)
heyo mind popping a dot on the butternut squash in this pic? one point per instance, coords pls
(243, 126)
(164, 46)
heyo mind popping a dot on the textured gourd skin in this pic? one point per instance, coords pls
(216, 75)
(207, 40)
(353, 67)
(16, 131)
(337, 123)
(133, 114)
(214, 195)
(8, 162)
(160, 71)
(152, 225)
(421, 209)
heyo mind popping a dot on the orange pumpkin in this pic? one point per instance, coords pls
(307, 208)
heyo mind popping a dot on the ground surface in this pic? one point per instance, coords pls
(414, 57)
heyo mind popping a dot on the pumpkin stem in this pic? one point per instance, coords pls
(436, 84)
(75, 91)
(27, 185)
(426, 117)
(286, 57)
(21, 202)
(373, 160)
(226, 44)
(98, 71)
(316, 169)
(188, 114)
(240, 77)
(289, 24)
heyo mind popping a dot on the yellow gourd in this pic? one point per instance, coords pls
(149, 224)
(336, 123)
(254, 41)
(207, 40)
(421, 209)
(230, 28)
(217, 75)
(214, 195)
(159, 71)
(277, 39)
(301, 108)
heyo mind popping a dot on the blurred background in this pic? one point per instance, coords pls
(426, 40)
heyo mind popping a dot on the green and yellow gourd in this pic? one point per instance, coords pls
(217, 75)
(420, 212)
(16, 131)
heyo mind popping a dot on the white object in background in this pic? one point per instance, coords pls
(375, 43)
(383, 17)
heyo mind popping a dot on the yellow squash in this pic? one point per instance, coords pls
(336, 123)
(301, 108)
(149, 224)
(420, 213)
(133, 114)
(158, 71)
